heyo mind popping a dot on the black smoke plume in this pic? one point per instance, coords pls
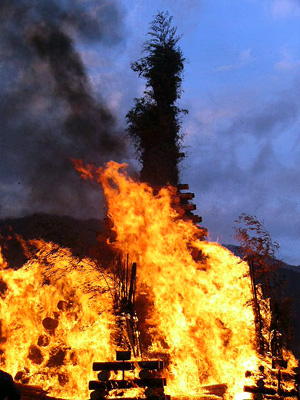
(48, 113)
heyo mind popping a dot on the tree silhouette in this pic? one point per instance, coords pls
(259, 251)
(154, 121)
(256, 244)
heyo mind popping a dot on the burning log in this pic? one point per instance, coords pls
(262, 390)
(271, 391)
(103, 376)
(162, 397)
(127, 366)
(189, 206)
(186, 196)
(50, 324)
(157, 365)
(216, 390)
(97, 395)
(122, 384)
(195, 218)
(182, 206)
(113, 366)
(149, 378)
(284, 383)
(287, 376)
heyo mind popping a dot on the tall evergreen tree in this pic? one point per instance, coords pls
(154, 121)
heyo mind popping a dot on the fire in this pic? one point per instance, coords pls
(201, 315)
(56, 318)
(57, 311)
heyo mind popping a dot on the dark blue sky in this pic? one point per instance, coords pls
(242, 88)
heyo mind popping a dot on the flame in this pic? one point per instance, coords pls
(56, 312)
(202, 315)
(56, 320)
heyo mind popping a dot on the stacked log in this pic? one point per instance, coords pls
(185, 210)
(149, 378)
(280, 377)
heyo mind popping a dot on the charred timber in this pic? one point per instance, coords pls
(103, 375)
(127, 366)
(262, 390)
(287, 376)
(163, 397)
(194, 218)
(122, 384)
(270, 391)
(148, 373)
(186, 196)
(279, 363)
(113, 366)
(189, 207)
(158, 365)
(125, 355)
(216, 390)
(183, 186)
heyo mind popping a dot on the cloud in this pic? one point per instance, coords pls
(244, 58)
(265, 120)
(285, 8)
(243, 157)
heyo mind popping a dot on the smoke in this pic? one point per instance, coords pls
(48, 113)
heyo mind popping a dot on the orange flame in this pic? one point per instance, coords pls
(56, 312)
(56, 320)
(202, 315)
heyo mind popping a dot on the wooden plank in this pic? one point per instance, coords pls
(113, 366)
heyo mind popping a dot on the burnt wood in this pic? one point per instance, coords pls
(103, 375)
(217, 390)
(158, 365)
(287, 376)
(190, 207)
(127, 366)
(183, 186)
(98, 394)
(186, 196)
(162, 397)
(123, 355)
(122, 384)
(113, 366)
(196, 218)
(262, 390)
(271, 391)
